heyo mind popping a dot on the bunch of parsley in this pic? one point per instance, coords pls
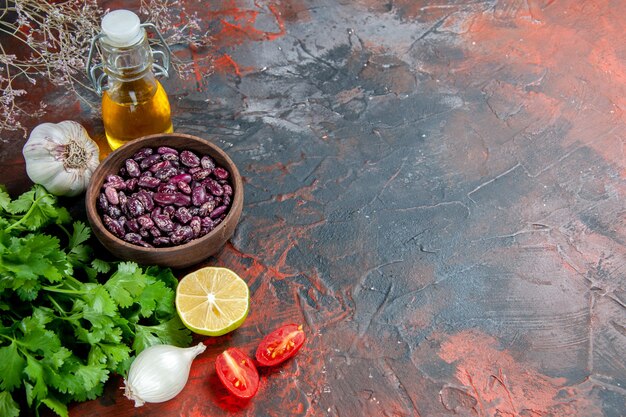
(68, 320)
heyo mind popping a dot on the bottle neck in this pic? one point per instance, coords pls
(127, 63)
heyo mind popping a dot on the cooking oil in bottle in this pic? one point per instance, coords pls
(135, 109)
(134, 103)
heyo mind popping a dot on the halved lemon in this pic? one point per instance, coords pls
(212, 301)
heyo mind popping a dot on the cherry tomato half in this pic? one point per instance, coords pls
(238, 373)
(280, 345)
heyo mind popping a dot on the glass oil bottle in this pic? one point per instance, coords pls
(134, 103)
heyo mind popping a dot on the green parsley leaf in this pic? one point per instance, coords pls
(12, 365)
(56, 406)
(98, 301)
(38, 391)
(58, 358)
(41, 341)
(163, 274)
(22, 203)
(8, 406)
(79, 253)
(92, 375)
(115, 354)
(101, 266)
(5, 198)
(156, 296)
(80, 234)
(172, 332)
(126, 283)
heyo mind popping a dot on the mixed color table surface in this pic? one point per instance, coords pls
(434, 189)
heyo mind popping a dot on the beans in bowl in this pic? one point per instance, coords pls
(164, 197)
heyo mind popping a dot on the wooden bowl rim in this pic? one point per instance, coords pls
(94, 217)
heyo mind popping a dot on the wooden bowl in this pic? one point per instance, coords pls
(180, 256)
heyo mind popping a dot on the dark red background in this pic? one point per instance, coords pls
(434, 189)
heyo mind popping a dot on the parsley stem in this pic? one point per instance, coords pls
(58, 307)
(65, 230)
(9, 337)
(62, 290)
(74, 281)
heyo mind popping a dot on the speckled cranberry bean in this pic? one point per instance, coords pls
(142, 153)
(164, 198)
(220, 173)
(155, 232)
(167, 188)
(207, 162)
(207, 207)
(146, 199)
(166, 173)
(163, 222)
(196, 225)
(112, 196)
(183, 215)
(148, 182)
(132, 225)
(206, 222)
(131, 184)
(133, 238)
(189, 159)
(201, 174)
(183, 187)
(114, 212)
(145, 222)
(160, 165)
(228, 190)
(114, 181)
(173, 158)
(166, 149)
(213, 186)
(218, 212)
(162, 241)
(169, 211)
(103, 203)
(149, 161)
(113, 226)
(181, 235)
(198, 196)
(135, 208)
(182, 199)
(186, 178)
(132, 168)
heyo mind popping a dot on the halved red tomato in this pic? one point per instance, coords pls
(237, 372)
(280, 345)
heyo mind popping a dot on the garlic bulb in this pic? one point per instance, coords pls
(159, 373)
(61, 157)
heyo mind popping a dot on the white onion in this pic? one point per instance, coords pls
(159, 373)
